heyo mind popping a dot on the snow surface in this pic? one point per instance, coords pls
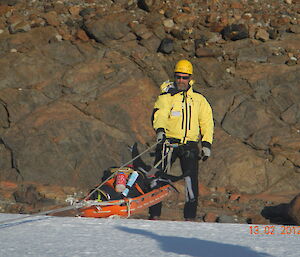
(67, 236)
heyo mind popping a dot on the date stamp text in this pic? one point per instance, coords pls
(274, 230)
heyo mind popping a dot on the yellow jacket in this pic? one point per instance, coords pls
(184, 115)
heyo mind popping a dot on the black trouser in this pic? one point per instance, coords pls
(188, 156)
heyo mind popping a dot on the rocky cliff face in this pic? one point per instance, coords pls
(78, 81)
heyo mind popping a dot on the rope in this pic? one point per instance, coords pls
(167, 151)
(83, 202)
(93, 202)
(163, 151)
(164, 156)
(128, 204)
(42, 213)
(168, 166)
(153, 169)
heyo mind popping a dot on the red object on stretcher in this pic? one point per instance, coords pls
(127, 206)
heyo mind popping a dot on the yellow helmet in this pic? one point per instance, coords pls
(184, 66)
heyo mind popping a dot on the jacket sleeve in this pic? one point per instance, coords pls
(161, 112)
(206, 122)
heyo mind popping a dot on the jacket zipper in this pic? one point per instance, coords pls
(182, 113)
(186, 116)
(190, 116)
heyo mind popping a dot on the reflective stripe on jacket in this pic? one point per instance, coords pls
(184, 115)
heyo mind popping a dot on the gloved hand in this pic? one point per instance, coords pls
(205, 152)
(160, 136)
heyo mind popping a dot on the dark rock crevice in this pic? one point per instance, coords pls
(5, 116)
(13, 157)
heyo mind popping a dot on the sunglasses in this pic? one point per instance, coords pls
(182, 77)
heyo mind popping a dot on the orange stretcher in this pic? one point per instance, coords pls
(127, 206)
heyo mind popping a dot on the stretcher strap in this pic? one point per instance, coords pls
(166, 154)
(139, 188)
(92, 202)
(169, 159)
(128, 204)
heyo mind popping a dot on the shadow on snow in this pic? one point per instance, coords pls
(19, 221)
(196, 247)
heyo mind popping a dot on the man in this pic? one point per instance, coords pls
(183, 116)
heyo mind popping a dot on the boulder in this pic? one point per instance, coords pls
(295, 29)
(262, 35)
(294, 210)
(211, 217)
(179, 34)
(277, 214)
(168, 23)
(235, 32)
(27, 195)
(81, 34)
(19, 26)
(284, 213)
(166, 46)
(185, 19)
(147, 5)
(52, 18)
(227, 219)
(111, 27)
(152, 44)
(86, 11)
(141, 31)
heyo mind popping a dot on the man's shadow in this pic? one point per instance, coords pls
(195, 247)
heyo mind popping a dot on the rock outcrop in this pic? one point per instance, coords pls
(78, 80)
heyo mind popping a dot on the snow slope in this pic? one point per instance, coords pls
(67, 236)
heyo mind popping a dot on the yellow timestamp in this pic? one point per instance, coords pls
(274, 230)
